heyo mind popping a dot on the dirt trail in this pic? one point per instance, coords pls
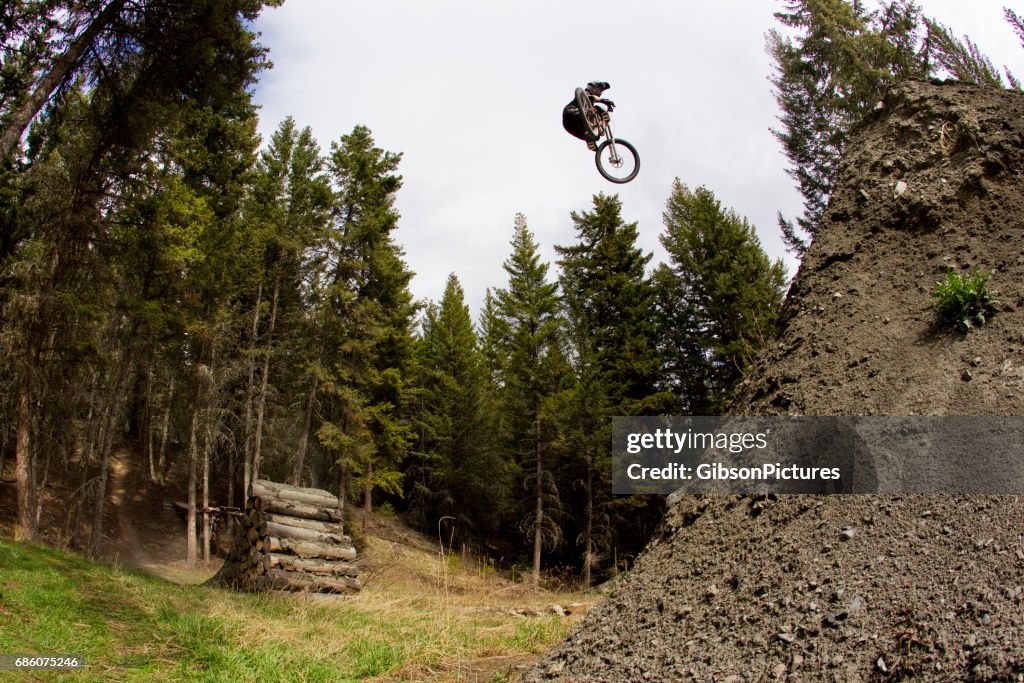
(142, 533)
(858, 587)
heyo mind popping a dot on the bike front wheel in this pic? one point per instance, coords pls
(617, 160)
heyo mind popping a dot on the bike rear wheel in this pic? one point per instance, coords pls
(591, 119)
(617, 160)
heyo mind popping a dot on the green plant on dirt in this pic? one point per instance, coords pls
(963, 301)
(453, 563)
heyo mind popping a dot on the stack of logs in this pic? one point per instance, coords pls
(290, 538)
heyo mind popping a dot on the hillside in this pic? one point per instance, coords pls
(857, 329)
(858, 587)
(419, 618)
(141, 613)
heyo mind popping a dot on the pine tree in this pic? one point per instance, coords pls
(109, 108)
(366, 310)
(718, 299)
(215, 149)
(493, 329)
(532, 373)
(609, 307)
(142, 53)
(961, 58)
(289, 210)
(459, 474)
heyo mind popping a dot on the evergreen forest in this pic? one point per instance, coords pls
(228, 308)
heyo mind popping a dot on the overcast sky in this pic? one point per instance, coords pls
(471, 93)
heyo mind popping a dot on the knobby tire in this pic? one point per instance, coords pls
(626, 150)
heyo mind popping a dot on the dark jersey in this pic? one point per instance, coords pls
(572, 121)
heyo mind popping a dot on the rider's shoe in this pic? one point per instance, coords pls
(591, 145)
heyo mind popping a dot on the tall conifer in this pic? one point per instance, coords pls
(609, 307)
(532, 372)
(719, 298)
(367, 311)
(459, 474)
(289, 210)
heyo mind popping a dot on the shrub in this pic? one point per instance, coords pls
(963, 301)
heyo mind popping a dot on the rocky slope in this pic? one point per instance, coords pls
(850, 587)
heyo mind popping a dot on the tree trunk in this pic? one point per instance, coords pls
(292, 509)
(538, 522)
(588, 524)
(59, 72)
(269, 490)
(298, 581)
(24, 470)
(41, 486)
(285, 531)
(206, 497)
(113, 414)
(368, 489)
(190, 524)
(147, 419)
(307, 424)
(301, 522)
(96, 538)
(342, 494)
(310, 549)
(3, 452)
(26, 527)
(313, 566)
(232, 466)
(164, 432)
(250, 389)
(261, 406)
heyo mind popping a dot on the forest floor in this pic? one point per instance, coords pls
(142, 613)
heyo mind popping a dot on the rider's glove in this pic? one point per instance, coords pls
(608, 103)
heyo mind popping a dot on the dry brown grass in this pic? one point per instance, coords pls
(422, 616)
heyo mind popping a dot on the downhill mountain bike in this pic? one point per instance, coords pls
(616, 159)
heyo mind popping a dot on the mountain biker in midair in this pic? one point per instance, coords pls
(572, 117)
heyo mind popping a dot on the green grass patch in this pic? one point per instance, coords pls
(132, 627)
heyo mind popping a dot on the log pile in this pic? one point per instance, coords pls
(290, 538)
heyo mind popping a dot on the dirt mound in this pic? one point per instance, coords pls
(858, 587)
(933, 182)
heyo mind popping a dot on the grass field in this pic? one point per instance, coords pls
(418, 619)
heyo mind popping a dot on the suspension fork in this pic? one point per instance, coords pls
(606, 127)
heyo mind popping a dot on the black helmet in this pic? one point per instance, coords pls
(597, 87)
